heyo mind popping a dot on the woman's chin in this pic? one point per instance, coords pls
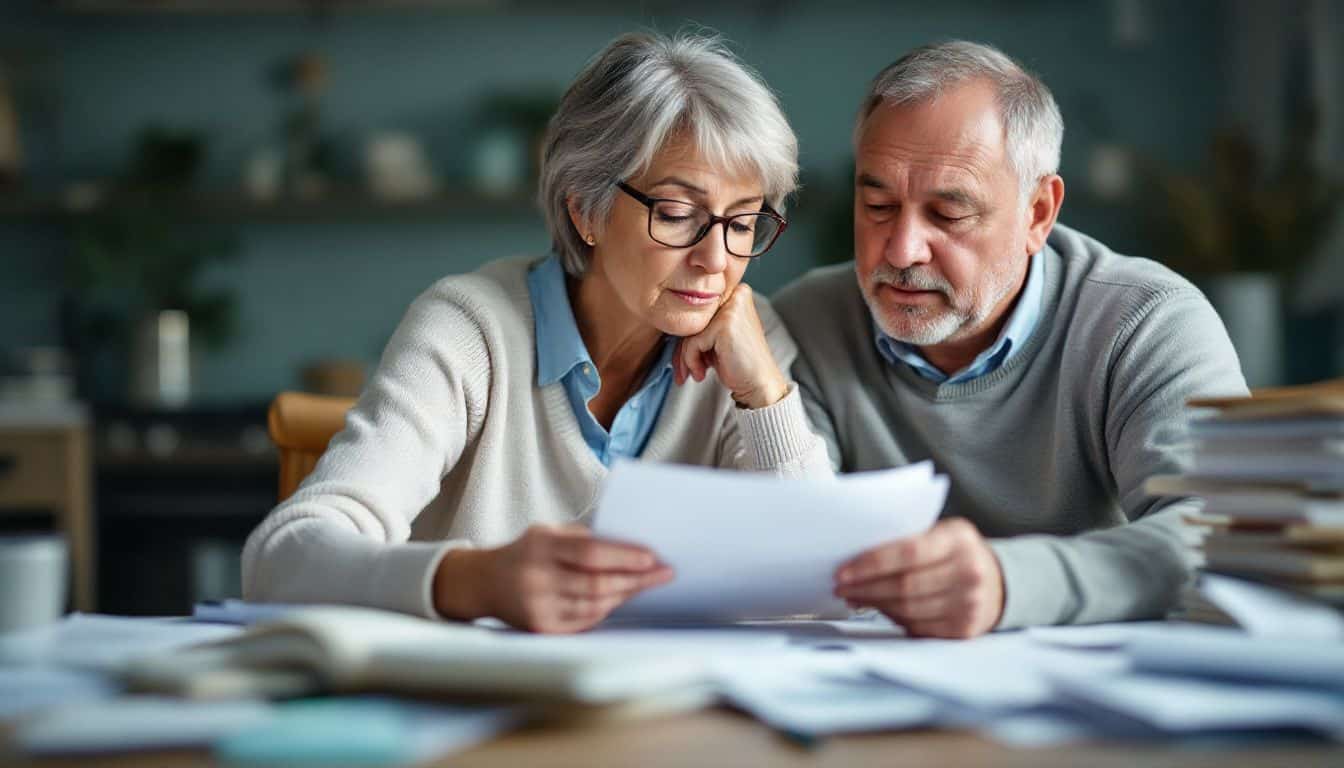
(685, 323)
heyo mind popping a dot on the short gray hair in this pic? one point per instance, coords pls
(636, 94)
(1032, 125)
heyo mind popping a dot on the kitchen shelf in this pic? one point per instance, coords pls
(353, 205)
(223, 7)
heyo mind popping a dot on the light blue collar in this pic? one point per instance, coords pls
(1021, 323)
(560, 348)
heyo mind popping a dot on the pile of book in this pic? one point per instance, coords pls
(1270, 469)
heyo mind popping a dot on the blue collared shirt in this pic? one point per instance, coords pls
(1011, 339)
(562, 357)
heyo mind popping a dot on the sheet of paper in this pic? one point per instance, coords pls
(93, 641)
(994, 672)
(364, 730)
(1043, 727)
(1269, 612)
(1181, 705)
(1234, 655)
(831, 633)
(132, 723)
(746, 545)
(809, 694)
(1097, 636)
(28, 690)
(241, 612)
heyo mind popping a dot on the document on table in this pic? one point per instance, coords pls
(95, 641)
(751, 546)
(1268, 612)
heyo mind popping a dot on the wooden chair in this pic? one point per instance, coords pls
(301, 426)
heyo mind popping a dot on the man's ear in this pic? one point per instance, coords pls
(1043, 211)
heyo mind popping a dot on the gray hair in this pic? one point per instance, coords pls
(635, 95)
(1033, 128)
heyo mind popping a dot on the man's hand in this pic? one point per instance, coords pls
(943, 583)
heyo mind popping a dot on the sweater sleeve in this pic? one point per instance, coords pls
(1168, 351)
(778, 438)
(344, 536)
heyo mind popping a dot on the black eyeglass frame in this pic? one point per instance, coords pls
(766, 210)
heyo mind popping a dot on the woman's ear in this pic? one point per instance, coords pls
(580, 222)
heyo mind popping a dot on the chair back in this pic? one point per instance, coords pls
(301, 426)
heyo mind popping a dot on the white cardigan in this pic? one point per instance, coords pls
(454, 415)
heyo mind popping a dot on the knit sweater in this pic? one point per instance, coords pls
(453, 415)
(1049, 453)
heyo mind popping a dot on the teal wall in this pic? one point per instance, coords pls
(316, 289)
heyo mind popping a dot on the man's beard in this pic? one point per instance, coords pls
(918, 325)
(925, 326)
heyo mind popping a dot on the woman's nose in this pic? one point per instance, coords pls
(711, 253)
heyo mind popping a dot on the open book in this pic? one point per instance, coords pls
(324, 649)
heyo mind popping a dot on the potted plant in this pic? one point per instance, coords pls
(1243, 230)
(136, 272)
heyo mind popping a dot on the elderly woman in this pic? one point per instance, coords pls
(508, 392)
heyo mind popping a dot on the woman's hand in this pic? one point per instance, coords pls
(734, 345)
(550, 579)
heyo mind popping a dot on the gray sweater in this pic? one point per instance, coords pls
(1049, 453)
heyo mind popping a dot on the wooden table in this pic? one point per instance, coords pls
(45, 464)
(723, 738)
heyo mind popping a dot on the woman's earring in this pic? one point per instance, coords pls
(591, 240)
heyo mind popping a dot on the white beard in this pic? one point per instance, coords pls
(925, 326)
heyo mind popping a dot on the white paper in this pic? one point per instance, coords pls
(1105, 636)
(1269, 612)
(747, 545)
(1038, 728)
(93, 641)
(364, 730)
(136, 723)
(28, 690)
(809, 693)
(242, 612)
(993, 672)
(1183, 705)
(1231, 654)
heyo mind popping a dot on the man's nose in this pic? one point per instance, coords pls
(907, 244)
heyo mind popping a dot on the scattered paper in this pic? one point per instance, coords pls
(364, 730)
(93, 641)
(1233, 655)
(1096, 636)
(28, 690)
(746, 545)
(132, 723)
(241, 612)
(995, 672)
(1176, 705)
(1268, 612)
(811, 694)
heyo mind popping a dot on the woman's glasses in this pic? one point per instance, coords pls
(679, 224)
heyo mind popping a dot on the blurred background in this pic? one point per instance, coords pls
(204, 202)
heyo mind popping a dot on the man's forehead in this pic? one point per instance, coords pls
(954, 182)
(959, 128)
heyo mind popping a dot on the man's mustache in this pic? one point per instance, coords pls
(910, 278)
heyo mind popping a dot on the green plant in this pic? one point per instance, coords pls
(1241, 215)
(146, 251)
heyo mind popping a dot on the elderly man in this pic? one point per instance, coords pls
(1043, 372)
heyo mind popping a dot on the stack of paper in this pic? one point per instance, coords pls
(1270, 469)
